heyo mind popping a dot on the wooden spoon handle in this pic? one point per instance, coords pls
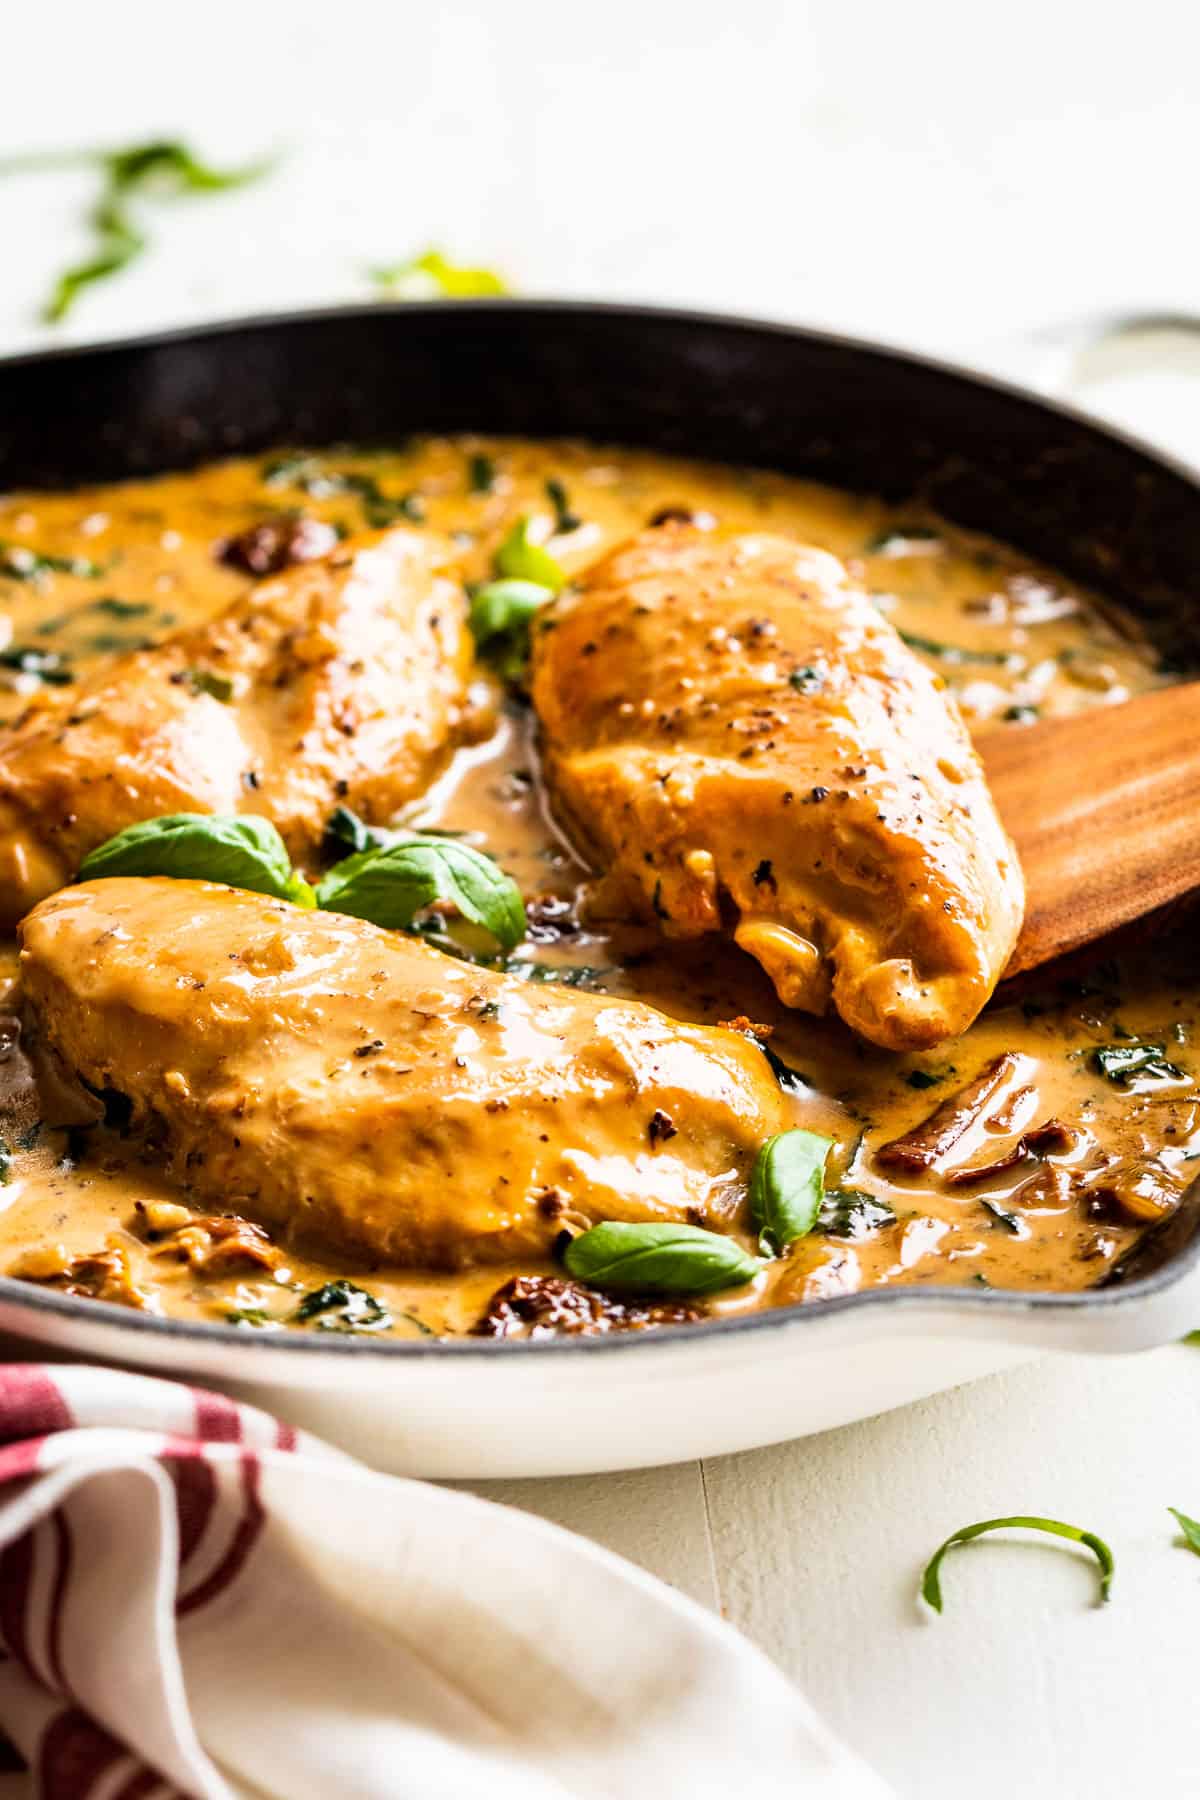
(1104, 809)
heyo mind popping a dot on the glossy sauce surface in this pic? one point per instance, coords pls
(87, 575)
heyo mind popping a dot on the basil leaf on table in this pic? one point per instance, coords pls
(1190, 1528)
(931, 1586)
(658, 1259)
(518, 558)
(239, 850)
(787, 1185)
(389, 886)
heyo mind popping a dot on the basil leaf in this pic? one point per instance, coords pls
(501, 612)
(431, 273)
(343, 1306)
(391, 885)
(931, 1586)
(787, 1185)
(344, 830)
(240, 850)
(523, 560)
(658, 1259)
(1189, 1527)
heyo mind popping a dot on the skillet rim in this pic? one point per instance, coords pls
(1118, 1297)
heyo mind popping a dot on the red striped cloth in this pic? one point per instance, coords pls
(195, 1600)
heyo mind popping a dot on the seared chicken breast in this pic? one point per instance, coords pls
(340, 680)
(371, 1096)
(744, 743)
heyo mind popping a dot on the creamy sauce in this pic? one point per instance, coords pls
(128, 564)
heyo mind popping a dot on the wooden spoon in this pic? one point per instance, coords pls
(1104, 808)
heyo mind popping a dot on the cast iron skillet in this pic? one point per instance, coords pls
(1046, 480)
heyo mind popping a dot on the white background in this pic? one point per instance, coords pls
(941, 174)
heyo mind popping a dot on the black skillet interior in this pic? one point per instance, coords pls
(1086, 501)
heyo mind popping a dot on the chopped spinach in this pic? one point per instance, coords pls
(789, 1079)
(343, 1306)
(121, 609)
(1119, 1063)
(559, 974)
(47, 665)
(564, 519)
(206, 681)
(311, 477)
(481, 474)
(922, 1078)
(850, 1213)
(431, 275)
(957, 653)
(19, 563)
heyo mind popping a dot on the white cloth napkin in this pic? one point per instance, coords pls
(197, 1600)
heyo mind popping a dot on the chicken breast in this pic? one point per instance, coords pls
(739, 737)
(340, 680)
(370, 1095)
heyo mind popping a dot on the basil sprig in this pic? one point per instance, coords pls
(391, 884)
(658, 1259)
(931, 1585)
(787, 1185)
(239, 850)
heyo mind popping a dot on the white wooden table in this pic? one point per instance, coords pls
(932, 174)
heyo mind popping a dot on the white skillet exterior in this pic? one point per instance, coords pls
(587, 1405)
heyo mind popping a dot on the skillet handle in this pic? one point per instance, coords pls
(1138, 370)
